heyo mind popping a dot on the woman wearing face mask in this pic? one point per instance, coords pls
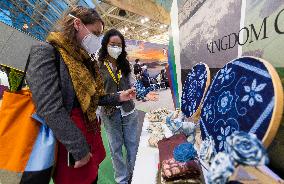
(67, 89)
(120, 121)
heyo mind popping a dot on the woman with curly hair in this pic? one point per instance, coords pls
(67, 88)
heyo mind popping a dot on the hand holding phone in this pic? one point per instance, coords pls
(127, 94)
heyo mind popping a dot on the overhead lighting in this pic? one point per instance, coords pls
(126, 28)
(146, 32)
(122, 31)
(144, 20)
(163, 26)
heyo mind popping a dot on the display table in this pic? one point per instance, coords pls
(147, 160)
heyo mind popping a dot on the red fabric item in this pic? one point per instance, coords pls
(167, 146)
(88, 173)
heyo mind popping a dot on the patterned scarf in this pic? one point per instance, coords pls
(88, 86)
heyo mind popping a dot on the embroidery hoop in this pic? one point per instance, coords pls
(196, 115)
(276, 115)
(278, 104)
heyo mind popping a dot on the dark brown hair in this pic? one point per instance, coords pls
(122, 62)
(66, 23)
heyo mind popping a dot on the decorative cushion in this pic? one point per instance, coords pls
(167, 146)
(246, 94)
(194, 88)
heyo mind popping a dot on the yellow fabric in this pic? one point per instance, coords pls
(18, 130)
(87, 87)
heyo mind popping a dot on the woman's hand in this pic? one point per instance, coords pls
(152, 96)
(129, 94)
(83, 161)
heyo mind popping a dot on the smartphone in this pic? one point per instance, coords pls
(70, 160)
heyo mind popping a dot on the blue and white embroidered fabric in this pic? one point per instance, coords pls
(241, 97)
(194, 89)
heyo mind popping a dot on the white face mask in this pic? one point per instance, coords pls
(114, 51)
(91, 43)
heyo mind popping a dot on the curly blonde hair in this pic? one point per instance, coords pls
(66, 23)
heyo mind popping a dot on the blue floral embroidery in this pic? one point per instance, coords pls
(222, 137)
(224, 102)
(225, 74)
(193, 89)
(207, 111)
(253, 94)
(241, 98)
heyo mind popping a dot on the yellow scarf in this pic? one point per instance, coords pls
(88, 87)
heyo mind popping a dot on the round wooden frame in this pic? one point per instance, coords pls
(278, 104)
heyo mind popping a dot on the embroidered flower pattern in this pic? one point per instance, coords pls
(225, 74)
(192, 91)
(224, 102)
(207, 111)
(223, 136)
(253, 93)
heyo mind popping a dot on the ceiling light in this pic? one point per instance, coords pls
(142, 21)
(146, 19)
(146, 32)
